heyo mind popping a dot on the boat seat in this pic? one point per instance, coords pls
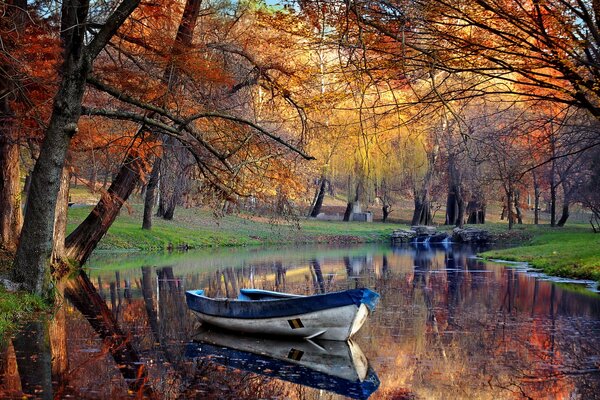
(257, 294)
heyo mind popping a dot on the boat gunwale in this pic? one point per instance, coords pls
(277, 308)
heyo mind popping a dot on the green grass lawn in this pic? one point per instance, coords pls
(572, 252)
(200, 228)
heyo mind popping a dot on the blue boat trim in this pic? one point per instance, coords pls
(287, 371)
(274, 306)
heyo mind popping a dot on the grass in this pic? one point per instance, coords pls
(571, 252)
(199, 228)
(15, 307)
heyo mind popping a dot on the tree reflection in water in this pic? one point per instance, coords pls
(447, 326)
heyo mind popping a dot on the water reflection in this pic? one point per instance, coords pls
(339, 367)
(447, 326)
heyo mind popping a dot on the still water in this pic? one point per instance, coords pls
(448, 326)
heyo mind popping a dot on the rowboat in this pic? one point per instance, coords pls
(335, 366)
(330, 316)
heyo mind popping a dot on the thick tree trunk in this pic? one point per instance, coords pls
(84, 239)
(320, 197)
(422, 212)
(417, 212)
(33, 255)
(172, 178)
(455, 207)
(11, 217)
(150, 197)
(451, 207)
(476, 212)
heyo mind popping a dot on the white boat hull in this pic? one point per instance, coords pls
(338, 323)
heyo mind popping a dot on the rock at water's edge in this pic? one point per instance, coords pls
(471, 235)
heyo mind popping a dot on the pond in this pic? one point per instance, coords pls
(448, 326)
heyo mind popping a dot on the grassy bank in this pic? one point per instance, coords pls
(572, 252)
(569, 252)
(197, 228)
(15, 307)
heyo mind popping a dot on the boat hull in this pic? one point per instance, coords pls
(338, 323)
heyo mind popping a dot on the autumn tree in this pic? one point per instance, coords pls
(233, 153)
(32, 259)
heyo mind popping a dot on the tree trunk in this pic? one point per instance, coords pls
(422, 212)
(320, 197)
(566, 201)
(348, 211)
(455, 208)
(150, 195)
(84, 239)
(33, 254)
(172, 178)
(552, 198)
(517, 197)
(417, 212)
(460, 217)
(60, 220)
(386, 209)
(451, 207)
(565, 215)
(509, 208)
(318, 281)
(536, 198)
(11, 218)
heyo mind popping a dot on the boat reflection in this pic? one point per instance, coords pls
(339, 367)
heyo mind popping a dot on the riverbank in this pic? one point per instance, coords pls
(570, 252)
(200, 228)
(15, 306)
